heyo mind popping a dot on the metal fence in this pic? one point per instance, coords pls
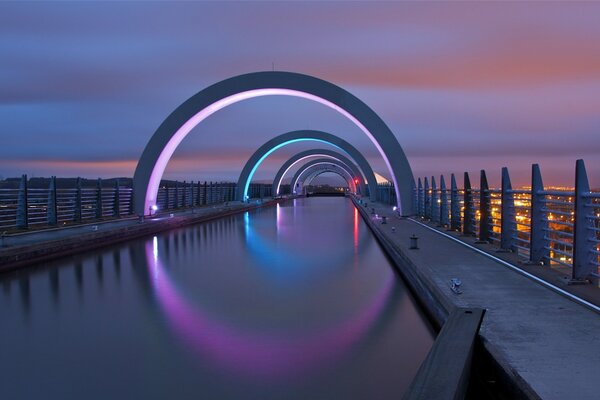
(29, 208)
(548, 226)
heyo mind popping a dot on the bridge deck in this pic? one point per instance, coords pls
(548, 343)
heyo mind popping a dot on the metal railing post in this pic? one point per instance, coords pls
(77, 206)
(484, 208)
(22, 217)
(443, 202)
(427, 213)
(538, 240)
(583, 230)
(192, 198)
(116, 201)
(454, 205)
(435, 211)
(52, 212)
(204, 199)
(99, 198)
(468, 204)
(177, 203)
(508, 222)
(421, 199)
(415, 197)
(184, 195)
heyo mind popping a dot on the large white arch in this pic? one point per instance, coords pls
(175, 128)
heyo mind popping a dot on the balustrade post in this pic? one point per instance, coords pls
(99, 199)
(583, 230)
(117, 201)
(22, 217)
(443, 202)
(468, 212)
(538, 243)
(508, 222)
(415, 196)
(177, 203)
(434, 202)
(427, 196)
(51, 209)
(421, 199)
(77, 206)
(484, 208)
(167, 197)
(454, 205)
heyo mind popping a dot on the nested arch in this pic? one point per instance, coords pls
(312, 165)
(180, 122)
(303, 155)
(311, 172)
(297, 136)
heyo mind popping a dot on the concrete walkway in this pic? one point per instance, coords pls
(550, 345)
(29, 248)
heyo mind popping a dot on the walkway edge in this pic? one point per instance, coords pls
(438, 306)
(17, 257)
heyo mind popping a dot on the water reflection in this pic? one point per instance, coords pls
(259, 355)
(290, 302)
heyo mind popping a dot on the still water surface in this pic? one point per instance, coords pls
(296, 301)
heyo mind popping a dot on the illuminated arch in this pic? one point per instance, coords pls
(298, 136)
(319, 164)
(175, 128)
(316, 171)
(324, 153)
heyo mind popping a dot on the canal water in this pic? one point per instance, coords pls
(296, 301)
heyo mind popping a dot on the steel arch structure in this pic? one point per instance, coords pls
(322, 153)
(311, 173)
(184, 118)
(319, 162)
(298, 136)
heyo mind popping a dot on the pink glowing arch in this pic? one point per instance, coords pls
(175, 128)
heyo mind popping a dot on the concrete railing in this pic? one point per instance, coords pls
(26, 208)
(543, 225)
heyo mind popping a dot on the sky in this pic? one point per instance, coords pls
(463, 86)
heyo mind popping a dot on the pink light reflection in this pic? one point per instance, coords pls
(254, 355)
(181, 133)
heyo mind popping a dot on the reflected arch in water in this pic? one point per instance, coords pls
(176, 127)
(243, 351)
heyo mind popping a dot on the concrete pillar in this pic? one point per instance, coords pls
(427, 196)
(584, 240)
(22, 217)
(117, 201)
(99, 199)
(420, 199)
(443, 203)
(538, 243)
(508, 222)
(485, 209)
(454, 205)
(77, 203)
(435, 210)
(469, 211)
(52, 211)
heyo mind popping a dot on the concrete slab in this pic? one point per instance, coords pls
(543, 338)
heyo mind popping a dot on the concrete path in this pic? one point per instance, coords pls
(547, 340)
